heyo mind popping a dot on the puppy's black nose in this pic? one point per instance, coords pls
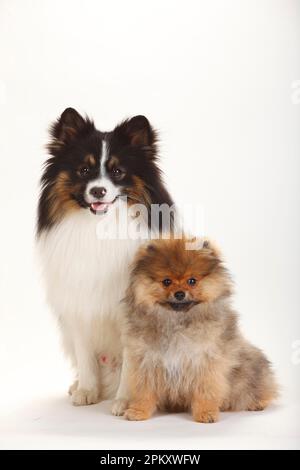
(179, 295)
(98, 192)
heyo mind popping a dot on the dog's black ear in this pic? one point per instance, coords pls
(68, 126)
(138, 131)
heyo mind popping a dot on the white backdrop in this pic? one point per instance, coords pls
(221, 81)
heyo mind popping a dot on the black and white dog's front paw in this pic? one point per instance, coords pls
(119, 406)
(82, 397)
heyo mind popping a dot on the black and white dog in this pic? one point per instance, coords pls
(89, 184)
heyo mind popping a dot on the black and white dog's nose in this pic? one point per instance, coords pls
(98, 192)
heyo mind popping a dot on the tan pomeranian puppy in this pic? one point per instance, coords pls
(183, 347)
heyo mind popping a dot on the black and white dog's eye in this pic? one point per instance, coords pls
(84, 171)
(117, 172)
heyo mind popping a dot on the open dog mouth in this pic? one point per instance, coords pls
(181, 306)
(101, 207)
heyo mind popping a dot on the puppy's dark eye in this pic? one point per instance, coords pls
(167, 282)
(192, 281)
(117, 173)
(84, 171)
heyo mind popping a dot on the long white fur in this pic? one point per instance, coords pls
(86, 279)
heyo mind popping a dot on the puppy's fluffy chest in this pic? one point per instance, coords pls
(177, 346)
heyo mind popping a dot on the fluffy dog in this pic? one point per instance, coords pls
(89, 182)
(184, 350)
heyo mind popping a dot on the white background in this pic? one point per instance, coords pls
(216, 78)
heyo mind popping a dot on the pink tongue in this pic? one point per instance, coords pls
(99, 206)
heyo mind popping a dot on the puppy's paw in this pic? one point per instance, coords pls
(258, 406)
(81, 397)
(133, 414)
(205, 411)
(206, 416)
(119, 406)
(73, 387)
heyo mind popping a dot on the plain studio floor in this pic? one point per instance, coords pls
(49, 421)
(54, 423)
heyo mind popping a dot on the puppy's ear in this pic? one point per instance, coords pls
(67, 128)
(211, 255)
(138, 131)
(194, 244)
(151, 248)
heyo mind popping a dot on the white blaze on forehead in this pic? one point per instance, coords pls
(104, 158)
(103, 180)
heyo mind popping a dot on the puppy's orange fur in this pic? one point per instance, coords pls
(193, 358)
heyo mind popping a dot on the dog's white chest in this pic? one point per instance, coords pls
(85, 274)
